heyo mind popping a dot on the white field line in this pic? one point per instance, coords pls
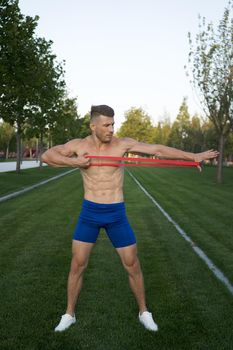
(27, 189)
(216, 271)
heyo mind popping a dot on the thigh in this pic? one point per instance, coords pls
(86, 231)
(121, 233)
(81, 251)
(128, 254)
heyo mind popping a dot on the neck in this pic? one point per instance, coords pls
(98, 143)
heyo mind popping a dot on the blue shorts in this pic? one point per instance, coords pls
(111, 217)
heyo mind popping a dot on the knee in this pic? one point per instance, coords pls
(132, 265)
(78, 265)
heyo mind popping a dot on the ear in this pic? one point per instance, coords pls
(92, 126)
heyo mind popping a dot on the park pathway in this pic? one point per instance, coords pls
(11, 166)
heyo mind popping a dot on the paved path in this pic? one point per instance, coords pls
(11, 166)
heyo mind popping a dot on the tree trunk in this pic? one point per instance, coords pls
(7, 150)
(220, 159)
(18, 142)
(37, 150)
(50, 141)
(41, 149)
(21, 149)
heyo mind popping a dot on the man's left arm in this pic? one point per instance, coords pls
(167, 152)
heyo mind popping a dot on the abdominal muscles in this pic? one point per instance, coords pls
(103, 184)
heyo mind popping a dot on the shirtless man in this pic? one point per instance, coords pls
(103, 204)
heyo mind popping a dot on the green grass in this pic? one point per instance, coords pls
(10, 181)
(202, 207)
(193, 309)
(3, 160)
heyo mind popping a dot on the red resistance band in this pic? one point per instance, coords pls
(145, 162)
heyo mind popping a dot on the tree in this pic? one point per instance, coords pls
(137, 125)
(6, 134)
(67, 123)
(162, 130)
(30, 147)
(32, 82)
(85, 126)
(180, 132)
(17, 62)
(196, 135)
(229, 147)
(49, 90)
(211, 72)
(209, 135)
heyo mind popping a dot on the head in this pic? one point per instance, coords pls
(102, 122)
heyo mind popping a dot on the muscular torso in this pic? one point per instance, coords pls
(103, 184)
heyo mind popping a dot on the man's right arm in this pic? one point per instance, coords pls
(65, 156)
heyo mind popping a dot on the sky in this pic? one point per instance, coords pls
(125, 53)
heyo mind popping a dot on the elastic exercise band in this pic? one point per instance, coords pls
(146, 162)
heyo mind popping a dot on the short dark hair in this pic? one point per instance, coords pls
(96, 111)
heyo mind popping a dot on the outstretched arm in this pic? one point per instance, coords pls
(65, 156)
(167, 152)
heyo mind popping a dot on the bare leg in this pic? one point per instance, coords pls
(81, 252)
(131, 263)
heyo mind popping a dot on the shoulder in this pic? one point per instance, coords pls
(79, 145)
(72, 144)
(127, 142)
(69, 147)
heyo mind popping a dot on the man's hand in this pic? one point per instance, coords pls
(199, 157)
(82, 161)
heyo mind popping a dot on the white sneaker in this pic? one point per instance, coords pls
(147, 320)
(66, 321)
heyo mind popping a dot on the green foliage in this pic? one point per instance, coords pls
(17, 62)
(7, 132)
(137, 125)
(186, 133)
(229, 147)
(211, 73)
(66, 123)
(196, 135)
(180, 132)
(31, 81)
(211, 61)
(162, 132)
(85, 126)
(210, 140)
(50, 88)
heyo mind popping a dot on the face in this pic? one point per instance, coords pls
(103, 128)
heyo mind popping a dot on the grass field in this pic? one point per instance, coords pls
(193, 309)
(10, 181)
